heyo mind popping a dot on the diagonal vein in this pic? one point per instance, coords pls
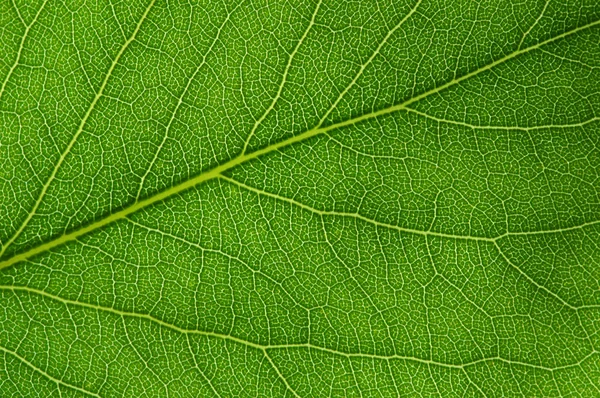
(78, 132)
(21, 45)
(56, 381)
(424, 233)
(279, 374)
(245, 157)
(399, 228)
(504, 128)
(180, 100)
(308, 346)
(283, 79)
(368, 62)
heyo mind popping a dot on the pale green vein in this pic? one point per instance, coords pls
(197, 366)
(567, 59)
(549, 231)
(359, 216)
(18, 13)
(279, 374)
(20, 50)
(534, 23)
(539, 286)
(242, 158)
(78, 132)
(140, 356)
(180, 101)
(283, 79)
(56, 381)
(472, 383)
(491, 65)
(261, 347)
(367, 63)
(425, 233)
(503, 128)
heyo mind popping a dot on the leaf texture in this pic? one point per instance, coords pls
(299, 198)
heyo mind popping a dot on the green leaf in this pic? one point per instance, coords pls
(291, 198)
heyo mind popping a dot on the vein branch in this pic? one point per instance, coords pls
(279, 374)
(180, 102)
(56, 381)
(21, 45)
(283, 79)
(377, 223)
(263, 347)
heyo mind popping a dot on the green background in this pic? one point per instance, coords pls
(291, 198)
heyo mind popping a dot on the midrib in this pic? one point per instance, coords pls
(242, 158)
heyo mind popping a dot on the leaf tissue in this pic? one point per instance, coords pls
(292, 198)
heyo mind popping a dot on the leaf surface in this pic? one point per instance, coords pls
(291, 198)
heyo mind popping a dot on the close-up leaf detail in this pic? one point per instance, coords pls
(285, 198)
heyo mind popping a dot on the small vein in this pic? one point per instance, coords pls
(472, 383)
(367, 63)
(503, 128)
(539, 286)
(549, 231)
(180, 101)
(423, 233)
(21, 45)
(280, 375)
(534, 24)
(567, 59)
(140, 357)
(350, 215)
(14, 4)
(283, 79)
(200, 371)
(48, 376)
(261, 347)
(396, 227)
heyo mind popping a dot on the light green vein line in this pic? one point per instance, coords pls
(216, 171)
(21, 45)
(436, 363)
(423, 233)
(549, 231)
(261, 347)
(197, 366)
(350, 215)
(283, 379)
(503, 128)
(364, 66)
(77, 133)
(472, 383)
(536, 284)
(283, 79)
(14, 4)
(46, 375)
(396, 227)
(534, 23)
(180, 100)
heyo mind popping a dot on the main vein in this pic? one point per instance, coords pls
(244, 157)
